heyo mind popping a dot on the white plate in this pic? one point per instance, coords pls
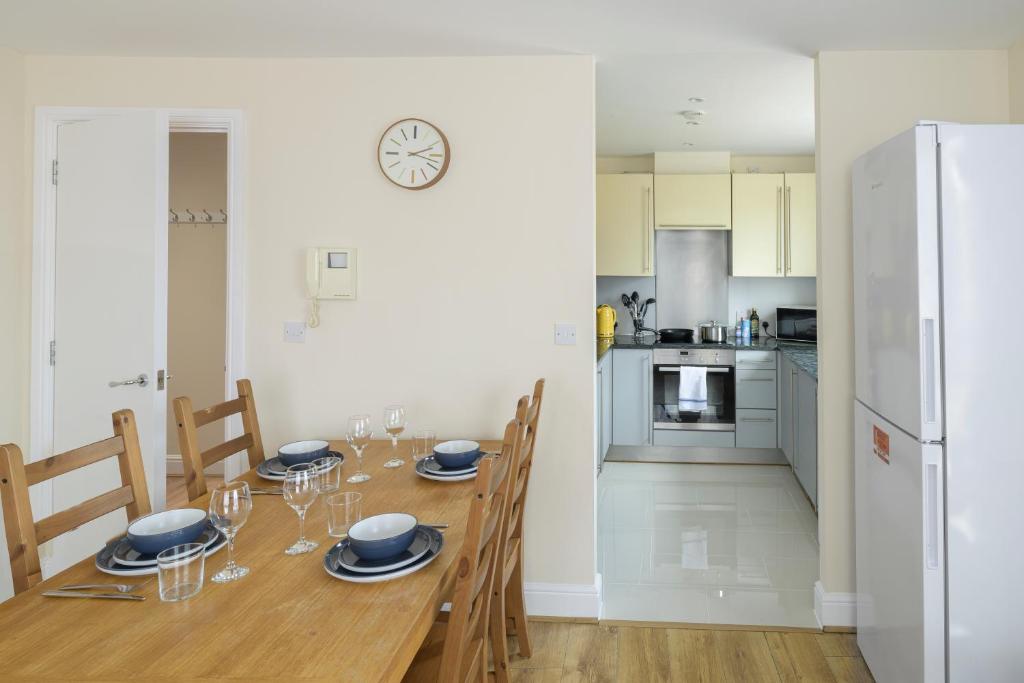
(449, 477)
(419, 564)
(125, 555)
(432, 466)
(349, 560)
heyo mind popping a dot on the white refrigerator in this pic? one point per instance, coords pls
(938, 269)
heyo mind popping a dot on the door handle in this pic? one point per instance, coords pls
(789, 233)
(142, 380)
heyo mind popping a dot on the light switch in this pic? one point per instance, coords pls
(565, 334)
(295, 332)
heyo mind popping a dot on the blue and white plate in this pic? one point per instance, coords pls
(125, 554)
(421, 470)
(106, 563)
(333, 566)
(274, 470)
(348, 559)
(432, 466)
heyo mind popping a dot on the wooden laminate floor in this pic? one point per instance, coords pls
(177, 495)
(592, 652)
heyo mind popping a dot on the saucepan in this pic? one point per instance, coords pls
(713, 332)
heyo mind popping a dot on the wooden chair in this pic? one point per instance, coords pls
(24, 535)
(455, 649)
(195, 461)
(510, 601)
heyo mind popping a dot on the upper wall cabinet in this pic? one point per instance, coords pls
(693, 202)
(625, 224)
(774, 223)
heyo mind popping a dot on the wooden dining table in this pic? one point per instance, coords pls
(288, 619)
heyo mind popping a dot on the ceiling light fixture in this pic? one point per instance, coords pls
(696, 100)
(692, 115)
(693, 123)
(687, 144)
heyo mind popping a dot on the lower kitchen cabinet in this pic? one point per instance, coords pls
(692, 438)
(756, 428)
(806, 431)
(787, 406)
(603, 409)
(632, 400)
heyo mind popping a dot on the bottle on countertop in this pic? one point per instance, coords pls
(746, 330)
(739, 325)
(755, 323)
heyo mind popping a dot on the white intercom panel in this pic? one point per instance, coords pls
(331, 273)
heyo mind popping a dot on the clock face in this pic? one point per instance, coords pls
(413, 154)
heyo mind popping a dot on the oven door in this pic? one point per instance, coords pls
(720, 414)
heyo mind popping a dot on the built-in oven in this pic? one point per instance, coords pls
(720, 413)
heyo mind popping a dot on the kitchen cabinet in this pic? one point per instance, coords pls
(806, 435)
(632, 401)
(756, 400)
(801, 225)
(693, 202)
(774, 222)
(787, 406)
(603, 410)
(625, 224)
(756, 428)
(755, 389)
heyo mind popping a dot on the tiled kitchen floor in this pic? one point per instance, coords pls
(719, 544)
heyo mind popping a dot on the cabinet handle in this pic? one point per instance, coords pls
(789, 232)
(647, 379)
(647, 222)
(696, 226)
(778, 230)
(755, 379)
(756, 419)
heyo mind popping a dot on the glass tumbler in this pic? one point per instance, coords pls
(329, 468)
(343, 510)
(180, 571)
(423, 443)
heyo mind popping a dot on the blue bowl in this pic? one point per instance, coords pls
(159, 531)
(456, 453)
(298, 452)
(382, 536)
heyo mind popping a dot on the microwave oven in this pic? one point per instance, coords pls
(797, 323)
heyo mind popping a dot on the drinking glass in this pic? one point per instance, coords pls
(180, 571)
(301, 486)
(394, 424)
(359, 434)
(329, 468)
(230, 505)
(423, 443)
(343, 510)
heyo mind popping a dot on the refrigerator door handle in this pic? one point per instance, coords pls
(928, 359)
(931, 502)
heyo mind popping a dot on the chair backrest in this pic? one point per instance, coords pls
(193, 460)
(465, 653)
(24, 535)
(514, 448)
(525, 464)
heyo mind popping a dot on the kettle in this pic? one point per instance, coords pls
(605, 322)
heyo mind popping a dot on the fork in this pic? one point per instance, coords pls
(119, 587)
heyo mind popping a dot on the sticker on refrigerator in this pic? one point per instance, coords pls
(881, 445)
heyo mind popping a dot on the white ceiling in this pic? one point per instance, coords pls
(743, 56)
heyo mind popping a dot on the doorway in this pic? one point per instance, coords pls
(100, 295)
(196, 290)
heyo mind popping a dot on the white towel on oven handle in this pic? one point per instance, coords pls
(693, 389)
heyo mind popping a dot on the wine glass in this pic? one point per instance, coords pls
(394, 424)
(230, 505)
(301, 486)
(360, 431)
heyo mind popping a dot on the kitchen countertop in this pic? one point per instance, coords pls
(805, 356)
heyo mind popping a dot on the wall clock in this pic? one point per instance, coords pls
(413, 154)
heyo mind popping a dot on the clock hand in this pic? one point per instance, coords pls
(418, 152)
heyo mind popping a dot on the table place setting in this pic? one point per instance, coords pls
(384, 547)
(449, 461)
(295, 453)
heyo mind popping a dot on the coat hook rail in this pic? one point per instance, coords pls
(188, 217)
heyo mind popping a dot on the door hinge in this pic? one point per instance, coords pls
(53, 172)
(53, 353)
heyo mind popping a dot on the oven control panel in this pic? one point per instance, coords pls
(709, 357)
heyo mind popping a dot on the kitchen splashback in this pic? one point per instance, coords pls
(692, 269)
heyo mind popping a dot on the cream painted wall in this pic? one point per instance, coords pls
(685, 160)
(792, 163)
(14, 244)
(459, 285)
(197, 280)
(1016, 58)
(862, 99)
(691, 162)
(643, 163)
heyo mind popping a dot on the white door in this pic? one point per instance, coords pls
(900, 553)
(896, 282)
(110, 312)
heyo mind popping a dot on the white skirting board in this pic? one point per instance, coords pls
(834, 609)
(563, 600)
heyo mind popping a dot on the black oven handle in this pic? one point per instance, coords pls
(675, 368)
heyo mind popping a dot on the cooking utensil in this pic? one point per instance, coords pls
(676, 335)
(713, 332)
(102, 596)
(119, 587)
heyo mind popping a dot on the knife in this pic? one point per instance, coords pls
(83, 594)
